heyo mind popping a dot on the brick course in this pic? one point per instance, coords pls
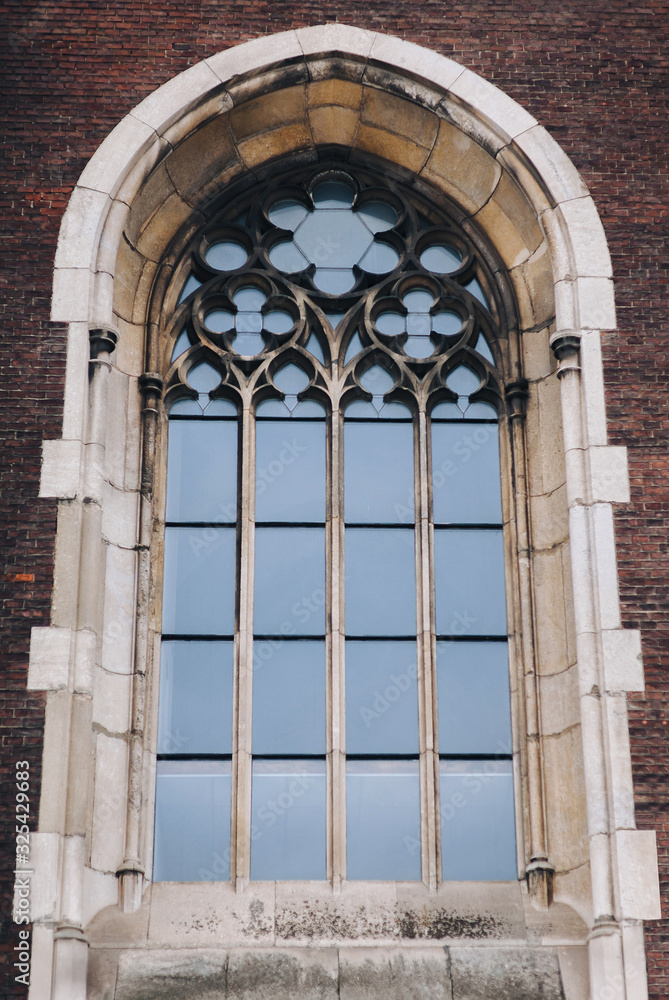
(593, 74)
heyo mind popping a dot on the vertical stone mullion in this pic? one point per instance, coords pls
(335, 646)
(425, 647)
(240, 848)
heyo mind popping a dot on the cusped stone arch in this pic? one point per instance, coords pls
(440, 130)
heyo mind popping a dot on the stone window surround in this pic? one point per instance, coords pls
(519, 187)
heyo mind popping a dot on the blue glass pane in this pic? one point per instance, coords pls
(475, 289)
(272, 408)
(202, 471)
(481, 411)
(203, 378)
(378, 471)
(463, 381)
(290, 581)
(278, 321)
(360, 409)
(380, 582)
(465, 474)
(290, 471)
(334, 282)
(248, 344)
(474, 701)
(195, 697)
(249, 299)
(191, 285)
(286, 257)
(446, 323)
(220, 408)
(288, 697)
(469, 582)
(192, 821)
(333, 240)
(447, 411)
(332, 194)
(418, 324)
(219, 320)
(248, 322)
(291, 379)
(288, 820)
(287, 214)
(354, 347)
(381, 698)
(226, 256)
(395, 411)
(189, 407)
(419, 347)
(315, 348)
(378, 216)
(308, 408)
(441, 259)
(383, 820)
(391, 324)
(199, 581)
(377, 381)
(182, 344)
(478, 838)
(483, 348)
(418, 301)
(334, 318)
(379, 259)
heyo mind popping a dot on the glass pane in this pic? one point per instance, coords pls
(378, 216)
(308, 408)
(465, 474)
(378, 472)
(381, 698)
(338, 239)
(203, 378)
(186, 406)
(182, 344)
(287, 214)
(354, 347)
(419, 347)
(441, 259)
(332, 194)
(192, 821)
(447, 323)
(191, 285)
(220, 408)
(418, 301)
(334, 281)
(202, 471)
(272, 408)
(391, 324)
(447, 411)
(288, 820)
(286, 257)
(483, 348)
(226, 256)
(469, 582)
(291, 379)
(383, 820)
(380, 582)
(278, 321)
(219, 320)
(481, 411)
(475, 289)
(474, 701)
(248, 322)
(478, 836)
(248, 344)
(463, 381)
(395, 411)
(377, 381)
(288, 697)
(314, 348)
(360, 409)
(379, 259)
(290, 581)
(195, 697)
(249, 299)
(199, 581)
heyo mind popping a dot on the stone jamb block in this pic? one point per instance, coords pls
(61, 468)
(253, 56)
(70, 301)
(45, 884)
(415, 61)
(623, 663)
(606, 569)
(609, 477)
(589, 249)
(111, 236)
(620, 763)
(559, 177)
(636, 853)
(499, 111)
(41, 961)
(81, 228)
(585, 304)
(51, 651)
(76, 381)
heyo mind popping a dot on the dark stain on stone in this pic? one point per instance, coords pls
(436, 924)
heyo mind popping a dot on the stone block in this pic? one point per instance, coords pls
(253, 56)
(130, 265)
(549, 590)
(202, 914)
(623, 663)
(343, 93)
(51, 651)
(71, 295)
(66, 566)
(592, 376)
(558, 174)
(111, 705)
(475, 911)
(394, 974)
(510, 222)
(119, 611)
(217, 105)
(589, 249)
(533, 285)
(636, 852)
(585, 304)
(100, 892)
(414, 60)
(102, 973)
(462, 168)
(333, 125)
(115, 156)
(283, 974)
(164, 975)
(620, 762)
(565, 800)
(277, 142)
(119, 517)
(549, 518)
(400, 151)
(169, 102)
(559, 701)
(575, 972)
(109, 807)
(272, 110)
(309, 913)
(54, 775)
(384, 111)
(501, 973)
(609, 478)
(335, 38)
(607, 570)
(499, 110)
(162, 227)
(76, 382)
(42, 962)
(81, 227)
(199, 161)
(45, 883)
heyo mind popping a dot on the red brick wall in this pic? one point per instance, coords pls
(590, 72)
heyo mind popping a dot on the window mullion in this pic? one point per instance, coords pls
(335, 657)
(429, 762)
(242, 761)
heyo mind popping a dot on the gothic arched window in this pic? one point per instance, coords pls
(334, 694)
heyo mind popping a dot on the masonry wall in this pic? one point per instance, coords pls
(591, 73)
